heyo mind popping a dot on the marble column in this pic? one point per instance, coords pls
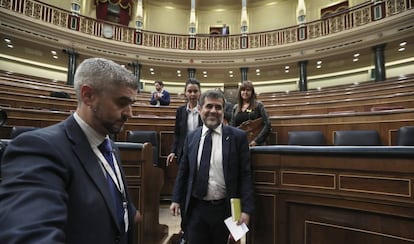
(243, 72)
(71, 65)
(191, 73)
(379, 61)
(303, 80)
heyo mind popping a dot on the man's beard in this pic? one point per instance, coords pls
(109, 125)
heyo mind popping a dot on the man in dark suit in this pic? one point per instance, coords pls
(229, 175)
(160, 96)
(58, 187)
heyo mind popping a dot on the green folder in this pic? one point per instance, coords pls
(235, 204)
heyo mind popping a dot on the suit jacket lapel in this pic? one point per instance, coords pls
(90, 162)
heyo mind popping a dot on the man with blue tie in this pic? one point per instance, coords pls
(215, 167)
(65, 183)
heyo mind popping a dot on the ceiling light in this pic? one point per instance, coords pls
(319, 66)
(152, 73)
(286, 71)
(178, 71)
(403, 44)
(205, 75)
(258, 73)
(205, 72)
(356, 55)
(287, 67)
(319, 62)
(179, 75)
(53, 52)
(401, 49)
(10, 45)
(231, 75)
(151, 69)
(7, 40)
(258, 70)
(230, 71)
(355, 59)
(56, 57)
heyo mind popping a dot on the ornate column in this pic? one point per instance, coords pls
(191, 73)
(301, 18)
(379, 62)
(243, 72)
(76, 6)
(303, 80)
(71, 65)
(139, 19)
(192, 29)
(244, 27)
(301, 12)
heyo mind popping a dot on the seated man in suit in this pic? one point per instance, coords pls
(64, 183)
(215, 167)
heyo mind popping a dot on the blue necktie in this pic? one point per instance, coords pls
(106, 150)
(201, 183)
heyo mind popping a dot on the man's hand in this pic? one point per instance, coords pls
(175, 209)
(138, 217)
(244, 218)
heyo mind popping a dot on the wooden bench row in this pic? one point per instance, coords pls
(41, 88)
(387, 88)
(386, 122)
(41, 102)
(378, 102)
(342, 89)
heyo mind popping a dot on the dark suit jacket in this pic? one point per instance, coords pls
(54, 190)
(164, 100)
(258, 112)
(236, 166)
(180, 130)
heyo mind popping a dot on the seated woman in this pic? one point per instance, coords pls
(248, 108)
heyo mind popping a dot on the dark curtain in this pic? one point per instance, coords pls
(124, 13)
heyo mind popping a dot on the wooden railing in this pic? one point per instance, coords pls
(355, 17)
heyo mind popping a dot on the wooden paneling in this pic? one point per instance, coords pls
(333, 195)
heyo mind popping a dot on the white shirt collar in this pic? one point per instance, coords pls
(92, 135)
(217, 130)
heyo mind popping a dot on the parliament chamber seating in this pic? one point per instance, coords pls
(405, 136)
(326, 117)
(357, 138)
(3, 117)
(306, 138)
(140, 136)
(17, 130)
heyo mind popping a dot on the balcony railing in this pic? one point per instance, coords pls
(352, 18)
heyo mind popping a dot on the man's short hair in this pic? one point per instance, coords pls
(159, 82)
(211, 94)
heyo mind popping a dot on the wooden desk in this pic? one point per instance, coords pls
(333, 194)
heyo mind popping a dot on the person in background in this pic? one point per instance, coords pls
(160, 96)
(248, 108)
(187, 119)
(205, 185)
(59, 185)
(228, 109)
